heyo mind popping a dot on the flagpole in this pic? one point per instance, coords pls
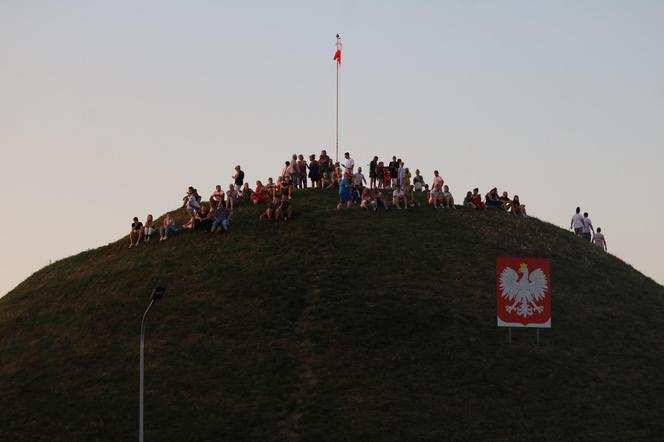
(337, 154)
(338, 53)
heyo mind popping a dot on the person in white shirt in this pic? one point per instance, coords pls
(358, 178)
(599, 240)
(587, 228)
(398, 196)
(217, 198)
(577, 222)
(349, 165)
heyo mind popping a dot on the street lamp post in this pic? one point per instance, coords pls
(157, 294)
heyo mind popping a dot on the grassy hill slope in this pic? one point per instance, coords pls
(333, 326)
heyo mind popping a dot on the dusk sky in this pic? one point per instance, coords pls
(109, 110)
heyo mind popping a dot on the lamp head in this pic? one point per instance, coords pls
(158, 293)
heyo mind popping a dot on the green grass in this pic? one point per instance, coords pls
(336, 325)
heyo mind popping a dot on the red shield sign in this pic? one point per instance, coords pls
(523, 288)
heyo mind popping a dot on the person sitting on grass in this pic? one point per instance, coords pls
(436, 195)
(260, 194)
(271, 188)
(477, 199)
(202, 219)
(136, 233)
(168, 226)
(492, 200)
(325, 181)
(410, 195)
(599, 240)
(246, 192)
(286, 187)
(345, 192)
(217, 197)
(270, 211)
(468, 201)
(505, 202)
(517, 208)
(337, 175)
(192, 206)
(380, 198)
(148, 229)
(222, 220)
(447, 198)
(233, 197)
(367, 200)
(284, 210)
(398, 197)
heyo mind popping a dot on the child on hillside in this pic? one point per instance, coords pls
(599, 240)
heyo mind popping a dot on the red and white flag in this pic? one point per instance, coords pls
(337, 54)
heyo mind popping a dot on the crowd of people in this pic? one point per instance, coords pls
(390, 185)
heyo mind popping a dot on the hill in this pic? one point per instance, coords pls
(336, 325)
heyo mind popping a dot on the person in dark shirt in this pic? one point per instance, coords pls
(238, 177)
(136, 233)
(491, 199)
(394, 171)
(202, 219)
(372, 172)
(314, 169)
(284, 210)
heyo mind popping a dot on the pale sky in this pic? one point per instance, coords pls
(109, 110)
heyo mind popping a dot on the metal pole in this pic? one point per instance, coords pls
(140, 400)
(538, 336)
(509, 335)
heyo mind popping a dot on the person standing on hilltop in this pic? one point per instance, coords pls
(314, 171)
(345, 193)
(324, 164)
(394, 171)
(372, 172)
(577, 222)
(349, 164)
(302, 166)
(418, 181)
(587, 228)
(238, 178)
(358, 179)
(599, 240)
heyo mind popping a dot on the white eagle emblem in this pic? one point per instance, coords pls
(523, 292)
